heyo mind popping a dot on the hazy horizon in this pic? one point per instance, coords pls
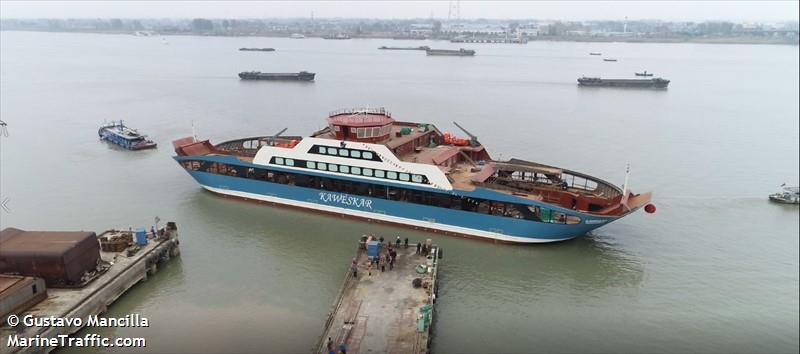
(743, 11)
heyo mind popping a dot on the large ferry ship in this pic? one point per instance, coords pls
(367, 165)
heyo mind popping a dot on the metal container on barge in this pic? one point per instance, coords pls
(367, 165)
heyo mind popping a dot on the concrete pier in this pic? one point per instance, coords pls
(384, 312)
(94, 298)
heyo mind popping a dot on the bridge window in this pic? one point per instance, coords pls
(367, 155)
(345, 169)
(332, 151)
(356, 170)
(343, 152)
(367, 172)
(279, 160)
(380, 173)
(416, 178)
(333, 168)
(405, 177)
(321, 149)
(311, 164)
(289, 162)
(322, 166)
(355, 153)
(391, 175)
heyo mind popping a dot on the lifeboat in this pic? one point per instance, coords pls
(453, 140)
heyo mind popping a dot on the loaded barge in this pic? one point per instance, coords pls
(424, 47)
(447, 52)
(257, 75)
(639, 83)
(389, 311)
(369, 166)
(257, 49)
(75, 275)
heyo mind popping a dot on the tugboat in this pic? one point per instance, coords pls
(641, 83)
(460, 53)
(365, 164)
(609, 59)
(644, 73)
(595, 53)
(790, 195)
(120, 134)
(257, 75)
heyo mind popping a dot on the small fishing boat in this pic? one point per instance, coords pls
(644, 73)
(120, 134)
(790, 195)
(609, 59)
(595, 53)
(257, 49)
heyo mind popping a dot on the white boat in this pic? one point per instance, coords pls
(297, 36)
(790, 195)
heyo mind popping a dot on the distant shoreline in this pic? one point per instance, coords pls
(697, 40)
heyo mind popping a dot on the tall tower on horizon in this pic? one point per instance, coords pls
(454, 11)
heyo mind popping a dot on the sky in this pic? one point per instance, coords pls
(763, 11)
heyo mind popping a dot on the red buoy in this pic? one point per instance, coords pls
(650, 208)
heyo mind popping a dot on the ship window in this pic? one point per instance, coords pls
(360, 133)
(344, 169)
(279, 160)
(311, 164)
(380, 173)
(355, 153)
(404, 177)
(367, 155)
(332, 151)
(289, 162)
(391, 175)
(333, 168)
(336, 128)
(353, 130)
(416, 178)
(367, 172)
(356, 170)
(321, 149)
(376, 131)
(322, 166)
(343, 152)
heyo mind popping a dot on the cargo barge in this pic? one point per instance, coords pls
(257, 49)
(257, 75)
(448, 52)
(424, 47)
(387, 310)
(72, 275)
(120, 134)
(637, 83)
(367, 165)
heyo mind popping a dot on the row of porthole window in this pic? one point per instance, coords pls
(353, 170)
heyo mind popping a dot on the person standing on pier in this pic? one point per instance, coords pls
(418, 247)
(331, 350)
(405, 243)
(354, 268)
(397, 242)
(381, 263)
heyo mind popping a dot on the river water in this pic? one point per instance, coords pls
(715, 269)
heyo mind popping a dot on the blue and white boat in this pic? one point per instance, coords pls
(366, 165)
(120, 134)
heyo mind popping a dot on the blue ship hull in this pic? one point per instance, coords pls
(435, 219)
